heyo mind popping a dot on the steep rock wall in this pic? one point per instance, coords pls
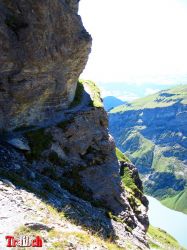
(43, 49)
(78, 154)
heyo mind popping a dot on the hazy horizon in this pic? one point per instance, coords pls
(136, 44)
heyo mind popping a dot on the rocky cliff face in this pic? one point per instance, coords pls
(153, 133)
(44, 48)
(74, 164)
(54, 140)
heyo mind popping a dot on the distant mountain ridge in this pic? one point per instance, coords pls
(163, 98)
(111, 102)
(152, 131)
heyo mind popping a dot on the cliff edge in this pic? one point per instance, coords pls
(54, 131)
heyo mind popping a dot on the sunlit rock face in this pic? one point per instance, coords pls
(43, 49)
(68, 157)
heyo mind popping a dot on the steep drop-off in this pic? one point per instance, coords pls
(54, 140)
(78, 155)
(152, 131)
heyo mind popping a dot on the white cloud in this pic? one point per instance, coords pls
(150, 91)
(136, 41)
(122, 95)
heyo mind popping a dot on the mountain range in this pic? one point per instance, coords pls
(152, 131)
(111, 102)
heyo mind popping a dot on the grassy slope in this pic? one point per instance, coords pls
(159, 239)
(144, 151)
(160, 163)
(177, 202)
(126, 178)
(160, 99)
(141, 153)
(121, 156)
(141, 149)
(94, 93)
(71, 236)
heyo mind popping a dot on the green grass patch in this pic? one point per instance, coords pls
(160, 239)
(161, 99)
(145, 147)
(165, 164)
(121, 157)
(83, 238)
(177, 202)
(113, 217)
(23, 230)
(95, 94)
(128, 181)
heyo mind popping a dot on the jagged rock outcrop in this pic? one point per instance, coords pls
(54, 139)
(78, 155)
(43, 49)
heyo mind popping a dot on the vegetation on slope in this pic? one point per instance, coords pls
(163, 98)
(121, 157)
(157, 238)
(59, 240)
(128, 182)
(94, 93)
(177, 202)
(56, 237)
(126, 175)
(160, 239)
(90, 88)
(152, 133)
(140, 149)
(166, 184)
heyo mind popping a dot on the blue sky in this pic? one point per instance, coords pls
(138, 46)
